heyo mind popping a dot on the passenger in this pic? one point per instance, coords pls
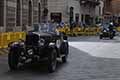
(52, 26)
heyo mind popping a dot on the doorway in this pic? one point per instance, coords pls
(57, 17)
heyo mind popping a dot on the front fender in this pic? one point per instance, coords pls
(15, 46)
(53, 46)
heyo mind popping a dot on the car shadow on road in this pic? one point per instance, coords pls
(77, 59)
(36, 69)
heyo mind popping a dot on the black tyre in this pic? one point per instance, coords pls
(101, 37)
(65, 52)
(52, 61)
(13, 60)
(64, 59)
(111, 37)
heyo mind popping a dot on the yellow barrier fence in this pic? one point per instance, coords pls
(80, 31)
(6, 38)
(118, 29)
(0, 40)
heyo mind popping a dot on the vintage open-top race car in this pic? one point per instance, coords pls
(42, 43)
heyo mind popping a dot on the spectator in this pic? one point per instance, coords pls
(24, 27)
(62, 24)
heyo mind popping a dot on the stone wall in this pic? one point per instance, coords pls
(10, 10)
(116, 7)
(63, 6)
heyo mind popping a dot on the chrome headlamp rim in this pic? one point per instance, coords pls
(42, 42)
(21, 42)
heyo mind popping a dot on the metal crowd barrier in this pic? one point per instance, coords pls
(118, 29)
(78, 31)
(6, 38)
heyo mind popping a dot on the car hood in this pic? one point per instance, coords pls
(43, 34)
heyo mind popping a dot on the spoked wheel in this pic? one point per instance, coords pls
(13, 60)
(66, 52)
(111, 37)
(64, 59)
(101, 37)
(52, 61)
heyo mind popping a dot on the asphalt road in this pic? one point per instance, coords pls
(89, 59)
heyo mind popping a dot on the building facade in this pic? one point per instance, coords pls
(73, 10)
(116, 7)
(16, 14)
(116, 10)
(90, 10)
(113, 8)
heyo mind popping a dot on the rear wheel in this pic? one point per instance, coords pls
(52, 61)
(65, 52)
(111, 37)
(101, 37)
(64, 59)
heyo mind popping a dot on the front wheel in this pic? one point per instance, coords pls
(52, 61)
(13, 60)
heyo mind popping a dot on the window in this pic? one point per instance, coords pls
(39, 13)
(77, 17)
(99, 10)
(57, 17)
(44, 3)
(1, 13)
(71, 14)
(30, 14)
(18, 13)
(82, 18)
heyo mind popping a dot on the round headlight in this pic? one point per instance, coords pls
(21, 42)
(104, 31)
(14, 43)
(41, 42)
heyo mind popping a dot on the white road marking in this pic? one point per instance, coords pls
(98, 49)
